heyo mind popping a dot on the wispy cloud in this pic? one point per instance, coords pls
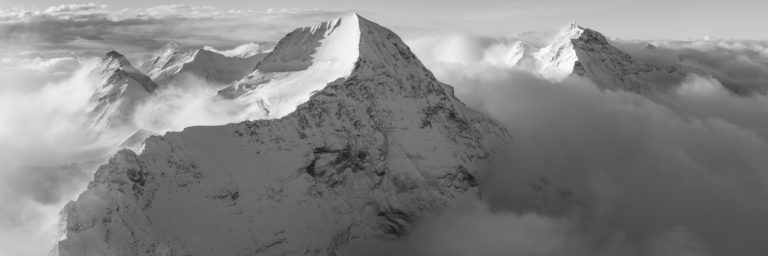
(96, 27)
(648, 172)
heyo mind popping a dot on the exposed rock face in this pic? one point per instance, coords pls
(302, 63)
(361, 157)
(122, 87)
(170, 62)
(587, 53)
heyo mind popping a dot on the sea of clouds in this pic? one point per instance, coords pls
(591, 172)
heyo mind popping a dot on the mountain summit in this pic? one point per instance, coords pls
(365, 140)
(587, 53)
(302, 62)
(121, 88)
(171, 61)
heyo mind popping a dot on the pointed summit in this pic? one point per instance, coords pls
(170, 46)
(121, 87)
(586, 52)
(363, 140)
(113, 55)
(171, 61)
(573, 30)
(114, 60)
(115, 68)
(307, 59)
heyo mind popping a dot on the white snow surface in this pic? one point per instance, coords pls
(379, 143)
(587, 53)
(204, 63)
(303, 62)
(121, 88)
(243, 51)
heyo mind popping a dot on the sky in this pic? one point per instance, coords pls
(626, 19)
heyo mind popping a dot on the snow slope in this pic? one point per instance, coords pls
(245, 50)
(110, 109)
(303, 62)
(204, 63)
(376, 145)
(521, 55)
(587, 53)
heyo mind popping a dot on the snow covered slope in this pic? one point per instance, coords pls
(521, 55)
(245, 50)
(586, 52)
(367, 152)
(303, 62)
(203, 63)
(110, 109)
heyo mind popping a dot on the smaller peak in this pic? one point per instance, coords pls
(574, 25)
(171, 45)
(330, 25)
(115, 57)
(350, 17)
(523, 46)
(572, 30)
(576, 32)
(356, 16)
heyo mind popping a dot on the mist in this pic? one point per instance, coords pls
(46, 157)
(600, 172)
(48, 152)
(590, 171)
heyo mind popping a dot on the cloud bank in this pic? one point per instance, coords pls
(591, 172)
(96, 28)
(45, 155)
(597, 172)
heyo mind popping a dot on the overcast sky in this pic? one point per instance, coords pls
(627, 19)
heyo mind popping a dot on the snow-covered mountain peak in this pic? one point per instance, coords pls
(333, 43)
(171, 61)
(376, 142)
(121, 87)
(307, 59)
(588, 53)
(573, 31)
(170, 46)
(245, 50)
(114, 68)
(114, 59)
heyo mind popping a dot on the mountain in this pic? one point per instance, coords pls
(204, 63)
(122, 87)
(244, 50)
(587, 53)
(303, 62)
(520, 55)
(135, 142)
(371, 140)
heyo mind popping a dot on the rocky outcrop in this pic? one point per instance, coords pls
(359, 159)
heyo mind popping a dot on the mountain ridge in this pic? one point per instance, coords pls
(359, 159)
(121, 87)
(583, 52)
(170, 62)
